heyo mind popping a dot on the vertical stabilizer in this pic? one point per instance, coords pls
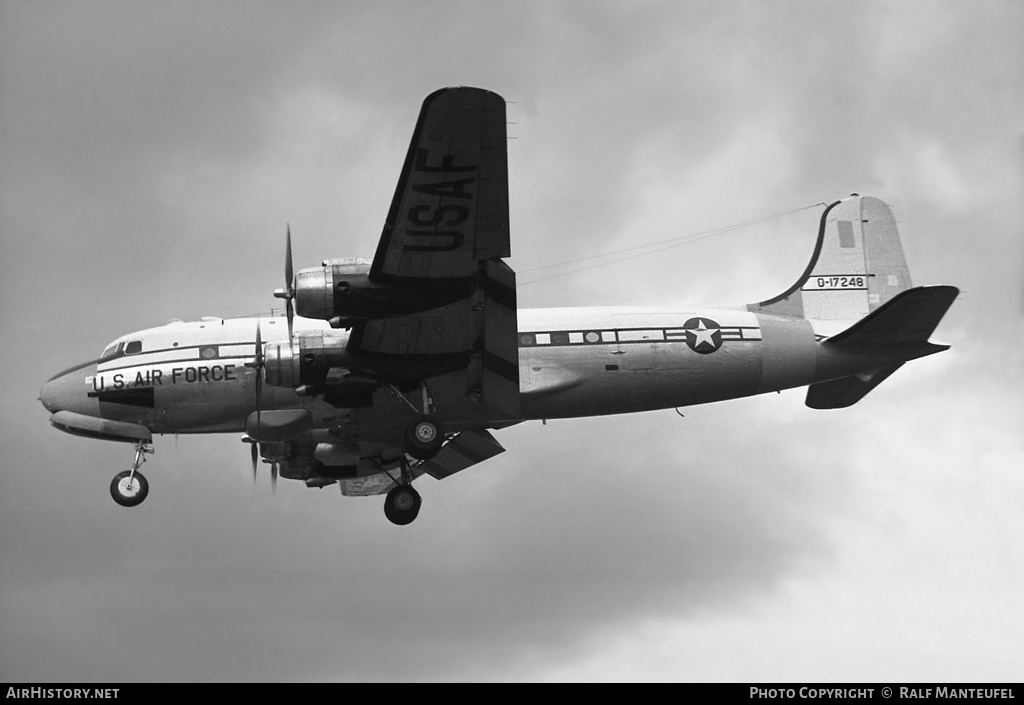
(857, 265)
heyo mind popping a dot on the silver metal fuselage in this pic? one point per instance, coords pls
(192, 377)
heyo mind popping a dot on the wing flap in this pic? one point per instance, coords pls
(465, 450)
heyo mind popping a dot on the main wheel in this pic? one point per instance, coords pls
(402, 505)
(129, 493)
(423, 437)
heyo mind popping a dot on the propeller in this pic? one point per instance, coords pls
(288, 293)
(254, 444)
(258, 363)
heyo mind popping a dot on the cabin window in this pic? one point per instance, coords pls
(133, 348)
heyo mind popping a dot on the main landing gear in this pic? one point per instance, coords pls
(424, 434)
(130, 487)
(402, 503)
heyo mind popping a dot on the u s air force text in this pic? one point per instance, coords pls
(157, 378)
(65, 693)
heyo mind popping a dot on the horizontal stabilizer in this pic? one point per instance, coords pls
(846, 391)
(896, 332)
(908, 319)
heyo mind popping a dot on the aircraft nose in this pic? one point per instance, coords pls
(69, 391)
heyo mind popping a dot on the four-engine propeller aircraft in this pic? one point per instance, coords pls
(401, 366)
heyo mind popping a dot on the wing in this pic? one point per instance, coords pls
(465, 450)
(445, 234)
(450, 210)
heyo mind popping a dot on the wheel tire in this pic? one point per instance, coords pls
(402, 505)
(129, 495)
(424, 437)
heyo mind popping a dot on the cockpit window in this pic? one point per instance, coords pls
(133, 347)
(115, 350)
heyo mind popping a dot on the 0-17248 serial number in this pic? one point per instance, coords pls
(838, 281)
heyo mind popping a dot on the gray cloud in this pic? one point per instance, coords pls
(152, 153)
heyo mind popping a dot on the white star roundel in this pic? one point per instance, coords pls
(703, 335)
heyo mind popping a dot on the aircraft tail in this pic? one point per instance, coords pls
(857, 290)
(878, 345)
(857, 265)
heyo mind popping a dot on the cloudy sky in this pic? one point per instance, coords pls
(150, 157)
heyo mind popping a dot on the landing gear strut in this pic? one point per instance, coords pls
(423, 437)
(402, 503)
(130, 487)
(424, 434)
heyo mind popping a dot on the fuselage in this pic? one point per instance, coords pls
(193, 377)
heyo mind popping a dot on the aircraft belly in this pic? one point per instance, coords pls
(604, 380)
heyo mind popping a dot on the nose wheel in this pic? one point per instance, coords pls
(130, 487)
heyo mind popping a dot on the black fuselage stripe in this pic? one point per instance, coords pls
(500, 293)
(150, 363)
(501, 367)
(131, 396)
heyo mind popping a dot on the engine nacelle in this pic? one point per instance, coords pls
(320, 362)
(340, 291)
(307, 361)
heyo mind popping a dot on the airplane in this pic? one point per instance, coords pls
(383, 370)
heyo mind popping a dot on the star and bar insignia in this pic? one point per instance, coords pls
(703, 335)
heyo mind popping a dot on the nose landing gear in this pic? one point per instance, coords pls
(130, 487)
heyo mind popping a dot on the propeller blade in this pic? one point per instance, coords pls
(255, 457)
(258, 364)
(289, 282)
(291, 314)
(273, 478)
(289, 275)
(259, 348)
